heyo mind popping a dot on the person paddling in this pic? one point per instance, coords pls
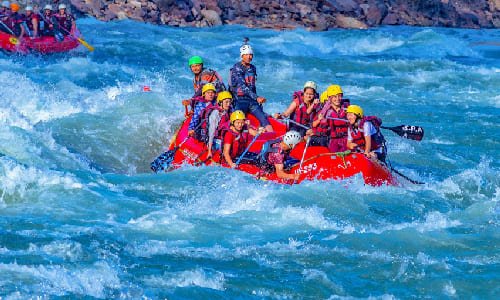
(329, 129)
(203, 76)
(15, 21)
(32, 22)
(216, 116)
(364, 133)
(236, 138)
(46, 27)
(274, 154)
(208, 95)
(65, 20)
(304, 107)
(242, 78)
(4, 10)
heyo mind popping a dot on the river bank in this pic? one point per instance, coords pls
(288, 15)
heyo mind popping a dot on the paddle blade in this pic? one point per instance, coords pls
(410, 132)
(163, 161)
(86, 45)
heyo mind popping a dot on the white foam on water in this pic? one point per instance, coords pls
(199, 277)
(316, 276)
(381, 297)
(480, 260)
(67, 250)
(441, 142)
(367, 44)
(445, 158)
(160, 222)
(311, 216)
(55, 280)
(449, 290)
(17, 178)
(434, 220)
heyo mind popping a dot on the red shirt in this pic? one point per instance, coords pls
(238, 146)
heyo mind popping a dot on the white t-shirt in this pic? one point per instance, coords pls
(368, 130)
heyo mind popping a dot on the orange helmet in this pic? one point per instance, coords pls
(14, 7)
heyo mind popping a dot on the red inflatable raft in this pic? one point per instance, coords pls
(319, 163)
(44, 44)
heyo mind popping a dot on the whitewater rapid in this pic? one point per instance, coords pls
(82, 215)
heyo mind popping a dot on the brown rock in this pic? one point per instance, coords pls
(138, 14)
(494, 5)
(212, 17)
(375, 14)
(350, 23)
(391, 19)
(343, 5)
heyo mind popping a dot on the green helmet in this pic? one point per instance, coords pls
(195, 60)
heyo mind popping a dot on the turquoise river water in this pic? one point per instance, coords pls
(82, 215)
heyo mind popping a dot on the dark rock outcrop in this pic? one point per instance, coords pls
(290, 14)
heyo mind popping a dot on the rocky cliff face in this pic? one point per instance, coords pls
(312, 15)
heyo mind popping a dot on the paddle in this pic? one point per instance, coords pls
(79, 39)
(303, 156)
(407, 131)
(406, 177)
(10, 31)
(57, 34)
(296, 123)
(164, 161)
(246, 150)
(415, 133)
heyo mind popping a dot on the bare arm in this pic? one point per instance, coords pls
(368, 144)
(351, 145)
(35, 28)
(227, 155)
(281, 174)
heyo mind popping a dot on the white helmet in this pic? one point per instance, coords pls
(48, 6)
(310, 84)
(292, 138)
(28, 8)
(246, 49)
(6, 4)
(62, 5)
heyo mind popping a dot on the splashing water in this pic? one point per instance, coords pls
(83, 216)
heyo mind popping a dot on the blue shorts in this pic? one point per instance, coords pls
(251, 106)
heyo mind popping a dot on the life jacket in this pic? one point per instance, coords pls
(29, 21)
(204, 119)
(14, 22)
(194, 101)
(240, 141)
(345, 103)
(65, 22)
(338, 129)
(358, 137)
(267, 149)
(250, 79)
(205, 76)
(45, 22)
(300, 114)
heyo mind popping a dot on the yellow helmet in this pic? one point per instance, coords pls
(355, 110)
(237, 115)
(207, 87)
(323, 97)
(333, 90)
(224, 95)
